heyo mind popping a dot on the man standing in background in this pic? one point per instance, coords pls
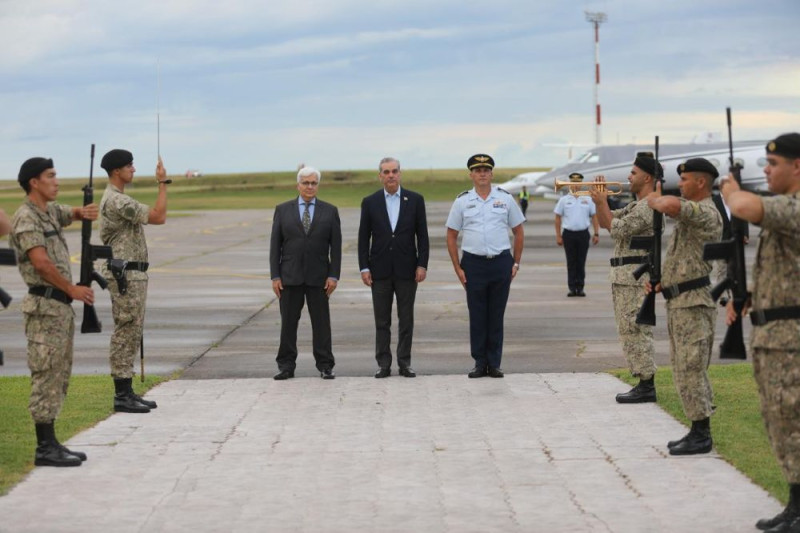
(574, 215)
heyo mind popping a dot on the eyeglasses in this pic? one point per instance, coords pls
(387, 171)
(309, 183)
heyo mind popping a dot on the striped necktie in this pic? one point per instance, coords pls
(306, 218)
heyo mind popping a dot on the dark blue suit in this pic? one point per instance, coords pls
(392, 256)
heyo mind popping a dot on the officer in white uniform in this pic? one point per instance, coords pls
(574, 215)
(484, 215)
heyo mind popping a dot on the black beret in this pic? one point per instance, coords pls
(480, 160)
(698, 164)
(33, 167)
(116, 158)
(786, 145)
(648, 163)
(576, 176)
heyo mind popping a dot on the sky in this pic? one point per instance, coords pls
(249, 86)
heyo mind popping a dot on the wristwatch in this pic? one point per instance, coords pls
(516, 265)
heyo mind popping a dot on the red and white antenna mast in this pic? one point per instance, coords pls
(596, 18)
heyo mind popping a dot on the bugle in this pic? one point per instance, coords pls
(584, 188)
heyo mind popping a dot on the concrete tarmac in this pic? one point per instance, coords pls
(545, 449)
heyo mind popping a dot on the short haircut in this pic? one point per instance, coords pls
(306, 172)
(388, 160)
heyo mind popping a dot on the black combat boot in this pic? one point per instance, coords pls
(644, 392)
(125, 400)
(785, 518)
(48, 451)
(697, 441)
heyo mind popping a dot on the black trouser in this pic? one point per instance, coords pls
(291, 302)
(383, 294)
(523, 204)
(488, 286)
(576, 247)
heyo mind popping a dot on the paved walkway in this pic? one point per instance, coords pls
(531, 452)
(544, 449)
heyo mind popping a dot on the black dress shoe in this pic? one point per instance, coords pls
(693, 445)
(79, 455)
(125, 402)
(327, 374)
(671, 444)
(495, 373)
(572, 293)
(408, 372)
(51, 454)
(149, 403)
(784, 517)
(477, 372)
(580, 293)
(643, 392)
(284, 374)
(383, 372)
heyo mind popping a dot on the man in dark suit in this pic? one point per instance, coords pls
(305, 259)
(393, 258)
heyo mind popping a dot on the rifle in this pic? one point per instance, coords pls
(7, 257)
(89, 254)
(732, 251)
(647, 312)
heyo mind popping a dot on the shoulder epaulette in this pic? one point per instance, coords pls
(503, 190)
(462, 194)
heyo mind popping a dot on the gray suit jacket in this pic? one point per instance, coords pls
(300, 259)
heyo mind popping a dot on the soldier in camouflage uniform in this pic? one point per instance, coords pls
(43, 260)
(627, 292)
(775, 338)
(685, 283)
(121, 226)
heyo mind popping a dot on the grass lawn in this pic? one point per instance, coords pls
(343, 188)
(736, 427)
(89, 401)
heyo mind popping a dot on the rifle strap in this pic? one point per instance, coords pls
(50, 292)
(628, 260)
(759, 317)
(693, 284)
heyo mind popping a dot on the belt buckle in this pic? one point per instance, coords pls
(758, 317)
(490, 256)
(671, 291)
(48, 292)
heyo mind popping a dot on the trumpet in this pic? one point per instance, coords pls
(584, 188)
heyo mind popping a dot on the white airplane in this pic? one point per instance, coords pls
(614, 162)
(527, 179)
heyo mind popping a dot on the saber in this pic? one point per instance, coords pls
(158, 110)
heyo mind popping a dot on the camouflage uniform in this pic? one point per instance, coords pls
(691, 316)
(49, 324)
(776, 344)
(627, 293)
(121, 227)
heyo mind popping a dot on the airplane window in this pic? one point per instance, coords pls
(582, 158)
(593, 158)
(761, 162)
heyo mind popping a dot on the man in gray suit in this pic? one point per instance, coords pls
(305, 259)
